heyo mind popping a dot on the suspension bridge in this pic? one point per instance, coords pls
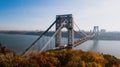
(56, 41)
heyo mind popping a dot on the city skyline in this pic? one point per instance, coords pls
(40, 14)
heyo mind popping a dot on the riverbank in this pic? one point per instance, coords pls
(63, 58)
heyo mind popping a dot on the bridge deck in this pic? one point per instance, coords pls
(76, 43)
(82, 40)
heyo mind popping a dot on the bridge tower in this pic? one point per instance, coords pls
(96, 31)
(68, 24)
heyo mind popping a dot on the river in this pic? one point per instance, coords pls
(19, 43)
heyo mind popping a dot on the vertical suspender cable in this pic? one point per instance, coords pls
(79, 29)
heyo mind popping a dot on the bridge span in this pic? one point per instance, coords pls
(62, 21)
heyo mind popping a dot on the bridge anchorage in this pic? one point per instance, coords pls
(62, 21)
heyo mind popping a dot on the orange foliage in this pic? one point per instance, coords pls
(62, 58)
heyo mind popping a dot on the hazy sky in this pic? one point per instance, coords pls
(39, 14)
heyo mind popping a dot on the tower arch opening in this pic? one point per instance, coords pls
(66, 21)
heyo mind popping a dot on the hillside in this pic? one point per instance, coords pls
(63, 58)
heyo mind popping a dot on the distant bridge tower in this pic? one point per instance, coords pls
(68, 19)
(96, 31)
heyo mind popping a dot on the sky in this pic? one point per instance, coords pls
(40, 14)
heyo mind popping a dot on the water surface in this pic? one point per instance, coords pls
(19, 43)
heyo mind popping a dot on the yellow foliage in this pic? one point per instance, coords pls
(62, 58)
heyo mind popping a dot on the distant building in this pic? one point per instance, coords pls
(103, 30)
(36, 30)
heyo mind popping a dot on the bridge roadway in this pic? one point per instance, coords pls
(76, 43)
(82, 40)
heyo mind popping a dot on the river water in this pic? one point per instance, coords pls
(19, 43)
